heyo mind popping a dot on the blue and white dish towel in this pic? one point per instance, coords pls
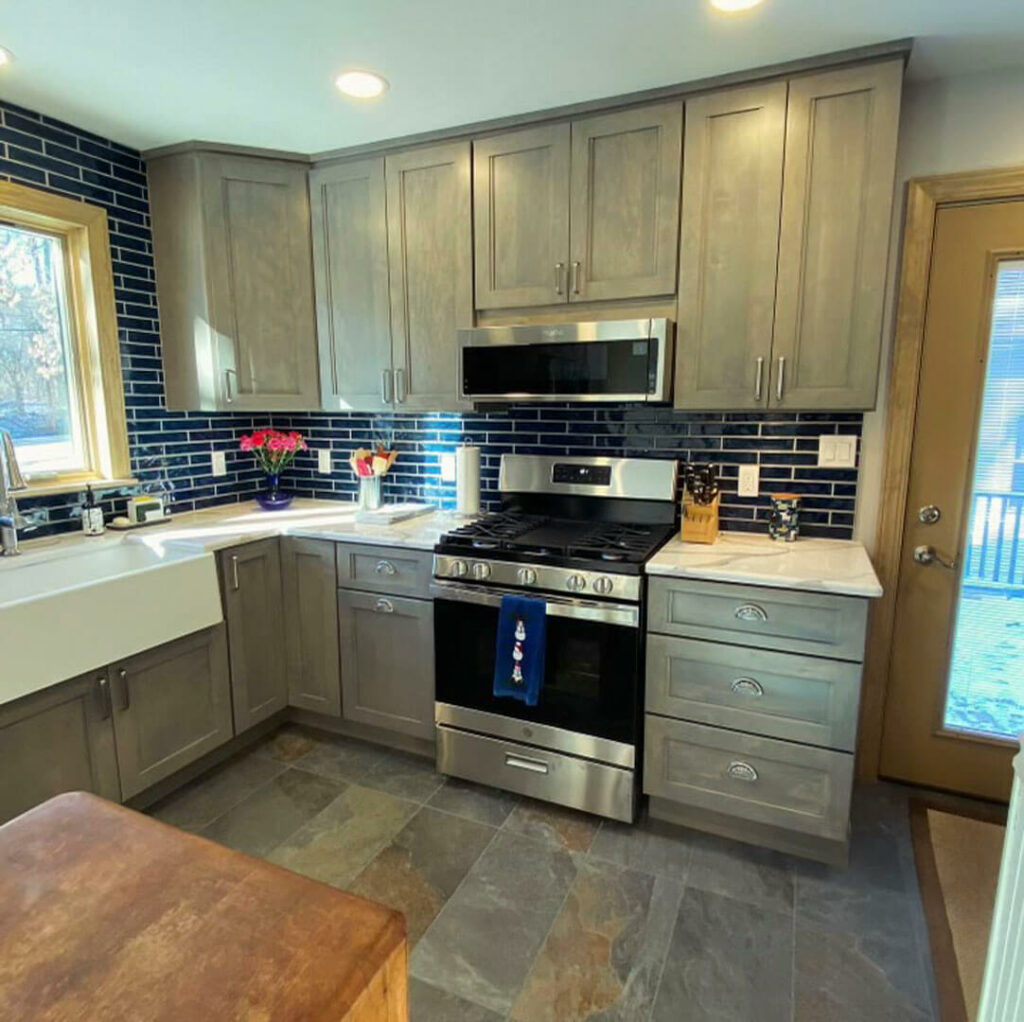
(519, 655)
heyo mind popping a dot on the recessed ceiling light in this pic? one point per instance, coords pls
(361, 84)
(5, 56)
(732, 6)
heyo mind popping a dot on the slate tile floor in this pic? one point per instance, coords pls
(520, 910)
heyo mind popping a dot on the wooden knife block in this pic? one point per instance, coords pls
(700, 521)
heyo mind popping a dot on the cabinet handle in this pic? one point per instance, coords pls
(105, 706)
(741, 771)
(759, 378)
(385, 568)
(747, 687)
(383, 606)
(559, 278)
(385, 386)
(576, 277)
(780, 382)
(400, 386)
(536, 766)
(234, 572)
(228, 373)
(750, 612)
(125, 696)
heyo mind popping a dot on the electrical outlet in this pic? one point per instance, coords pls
(323, 461)
(837, 451)
(447, 468)
(750, 480)
(219, 463)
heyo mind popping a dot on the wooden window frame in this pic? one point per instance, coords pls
(84, 231)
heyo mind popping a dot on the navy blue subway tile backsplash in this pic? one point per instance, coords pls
(171, 450)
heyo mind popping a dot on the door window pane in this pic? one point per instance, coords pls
(986, 680)
(38, 378)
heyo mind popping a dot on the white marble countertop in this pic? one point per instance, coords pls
(818, 565)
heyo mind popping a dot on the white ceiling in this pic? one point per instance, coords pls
(260, 72)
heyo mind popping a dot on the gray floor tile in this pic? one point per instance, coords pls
(744, 872)
(343, 759)
(265, 818)
(483, 942)
(567, 829)
(337, 843)
(201, 801)
(604, 955)
(404, 775)
(651, 846)
(424, 864)
(729, 961)
(473, 801)
(428, 1003)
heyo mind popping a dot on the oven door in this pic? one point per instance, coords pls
(592, 668)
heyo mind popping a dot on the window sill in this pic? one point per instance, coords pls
(52, 487)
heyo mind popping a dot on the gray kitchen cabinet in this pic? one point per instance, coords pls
(231, 243)
(61, 739)
(394, 571)
(251, 583)
(841, 129)
(308, 582)
(171, 705)
(624, 205)
(521, 217)
(350, 258)
(387, 661)
(728, 247)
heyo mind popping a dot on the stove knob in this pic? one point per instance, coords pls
(481, 570)
(575, 583)
(603, 585)
(458, 569)
(526, 576)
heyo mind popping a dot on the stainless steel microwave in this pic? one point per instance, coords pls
(616, 360)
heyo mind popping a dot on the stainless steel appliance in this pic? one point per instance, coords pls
(574, 532)
(620, 360)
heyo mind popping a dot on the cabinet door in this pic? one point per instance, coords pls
(309, 584)
(836, 205)
(625, 203)
(729, 246)
(350, 258)
(172, 705)
(387, 662)
(521, 217)
(430, 257)
(55, 741)
(251, 578)
(260, 278)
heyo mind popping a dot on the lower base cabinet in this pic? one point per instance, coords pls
(58, 740)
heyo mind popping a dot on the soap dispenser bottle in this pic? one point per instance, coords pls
(92, 515)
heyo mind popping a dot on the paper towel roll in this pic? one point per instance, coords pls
(467, 480)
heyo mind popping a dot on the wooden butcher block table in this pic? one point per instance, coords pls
(106, 914)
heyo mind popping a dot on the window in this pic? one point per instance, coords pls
(61, 395)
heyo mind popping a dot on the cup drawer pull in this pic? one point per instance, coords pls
(537, 766)
(741, 771)
(748, 687)
(386, 568)
(750, 612)
(383, 606)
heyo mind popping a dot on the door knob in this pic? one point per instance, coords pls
(926, 554)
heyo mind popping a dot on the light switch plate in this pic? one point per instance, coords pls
(447, 468)
(837, 451)
(750, 480)
(323, 461)
(219, 463)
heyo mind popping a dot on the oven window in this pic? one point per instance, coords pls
(591, 671)
(593, 367)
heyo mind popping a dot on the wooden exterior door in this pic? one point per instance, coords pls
(521, 217)
(729, 247)
(625, 203)
(955, 698)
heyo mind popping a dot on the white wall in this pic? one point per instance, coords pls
(955, 124)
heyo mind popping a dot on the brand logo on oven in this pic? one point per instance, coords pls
(552, 333)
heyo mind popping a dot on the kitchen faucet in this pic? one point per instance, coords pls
(11, 480)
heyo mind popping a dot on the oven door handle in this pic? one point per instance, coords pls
(625, 614)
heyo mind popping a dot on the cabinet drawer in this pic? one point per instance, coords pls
(382, 569)
(779, 695)
(817, 623)
(763, 780)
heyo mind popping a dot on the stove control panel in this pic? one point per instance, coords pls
(588, 475)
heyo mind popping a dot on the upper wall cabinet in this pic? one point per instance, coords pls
(787, 199)
(392, 251)
(578, 212)
(234, 281)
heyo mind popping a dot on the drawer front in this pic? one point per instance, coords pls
(763, 780)
(381, 569)
(779, 695)
(817, 623)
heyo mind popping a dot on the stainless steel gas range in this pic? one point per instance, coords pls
(574, 532)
